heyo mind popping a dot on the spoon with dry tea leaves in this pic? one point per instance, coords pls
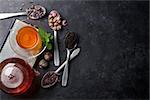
(34, 12)
(71, 43)
(51, 77)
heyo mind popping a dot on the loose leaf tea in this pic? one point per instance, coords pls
(71, 40)
(49, 79)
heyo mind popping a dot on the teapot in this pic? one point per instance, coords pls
(16, 76)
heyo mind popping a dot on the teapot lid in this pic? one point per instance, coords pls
(16, 76)
(11, 75)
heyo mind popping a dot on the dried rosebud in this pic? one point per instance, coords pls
(50, 20)
(54, 20)
(64, 22)
(58, 18)
(58, 27)
(55, 24)
(50, 24)
(50, 16)
(54, 13)
(59, 21)
(54, 28)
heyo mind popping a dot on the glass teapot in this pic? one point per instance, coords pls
(16, 76)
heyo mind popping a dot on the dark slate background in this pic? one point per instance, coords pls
(114, 41)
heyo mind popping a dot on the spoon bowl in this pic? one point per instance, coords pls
(71, 43)
(49, 74)
(38, 12)
(35, 12)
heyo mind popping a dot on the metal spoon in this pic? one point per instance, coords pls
(55, 73)
(53, 15)
(65, 72)
(56, 50)
(71, 43)
(8, 15)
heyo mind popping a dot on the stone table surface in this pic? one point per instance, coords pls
(114, 41)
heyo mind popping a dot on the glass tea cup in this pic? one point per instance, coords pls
(26, 42)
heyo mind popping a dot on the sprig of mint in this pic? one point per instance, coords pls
(46, 38)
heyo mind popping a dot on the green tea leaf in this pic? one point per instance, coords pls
(49, 46)
(41, 32)
(48, 34)
(46, 38)
(51, 37)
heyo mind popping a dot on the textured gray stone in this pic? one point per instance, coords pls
(114, 41)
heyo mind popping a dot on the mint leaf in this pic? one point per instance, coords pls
(51, 37)
(41, 32)
(49, 46)
(48, 34)
(46, 38)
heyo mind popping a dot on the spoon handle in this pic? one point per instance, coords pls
(73, 55)
(65, 72)
(56, 51)
(8, 15)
